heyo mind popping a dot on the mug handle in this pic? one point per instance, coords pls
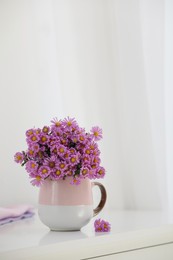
(103, 198)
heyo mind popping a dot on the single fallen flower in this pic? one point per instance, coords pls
(101, 225)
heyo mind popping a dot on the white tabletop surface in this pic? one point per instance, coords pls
(155, 227)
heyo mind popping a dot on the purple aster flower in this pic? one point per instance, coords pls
(94, 148)
(96, 133)
(44, 171)
(82, 138)
(31, 166)
(53, 140)
(56, 123)
(80, 147)
(63, 140)
(35, 147)
(62, 166)
(100, 172)
(96, 152)
(40, 155)
(57, 174)
(92, 174)
(72, 151)
(53, 149)
(74, 139)
(37, 131)
(29, 132)
(57, 133)
(61, 150)
(37, 181)
(33, 138)
(46, 129)
(84, 171)
(50, 162)
(87, 150)
(44, 139)
(95, 160)
(93, 145)
(69, 123)
(18, 157)
(86, 159)
(74, 159)
(69, 172)
(30, 153)
(66, 156)
(102, 226)
(75, 181)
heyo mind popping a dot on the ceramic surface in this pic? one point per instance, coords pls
(65, 218)
(63, 206)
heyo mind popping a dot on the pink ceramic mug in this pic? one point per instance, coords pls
(63, 206)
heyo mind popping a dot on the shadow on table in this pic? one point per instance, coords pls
(52, 237)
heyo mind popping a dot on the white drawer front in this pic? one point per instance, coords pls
(162, 252)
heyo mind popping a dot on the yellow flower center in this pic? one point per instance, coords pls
(100, 172)
(62, 165)
(38, 178)
(30, 132)
(44, 171)
(33, 138)
(84, 172)
(96, 133)
(58, 172)
(69, 123)
(61, 150)
(73, 159)
(37, 131)
(45, 130)
(95, 160)
(43, 139)
(58, 123)
(88, 151)
(51, 164)
(33, 165)
(31, 152)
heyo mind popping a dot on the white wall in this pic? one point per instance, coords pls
(169, 97)
(101, 62)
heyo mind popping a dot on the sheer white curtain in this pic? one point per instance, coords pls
(107, 63)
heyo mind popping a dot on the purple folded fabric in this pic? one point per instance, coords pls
(15, 213)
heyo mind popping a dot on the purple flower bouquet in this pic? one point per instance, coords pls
(61, 150)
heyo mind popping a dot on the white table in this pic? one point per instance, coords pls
(134, 235)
